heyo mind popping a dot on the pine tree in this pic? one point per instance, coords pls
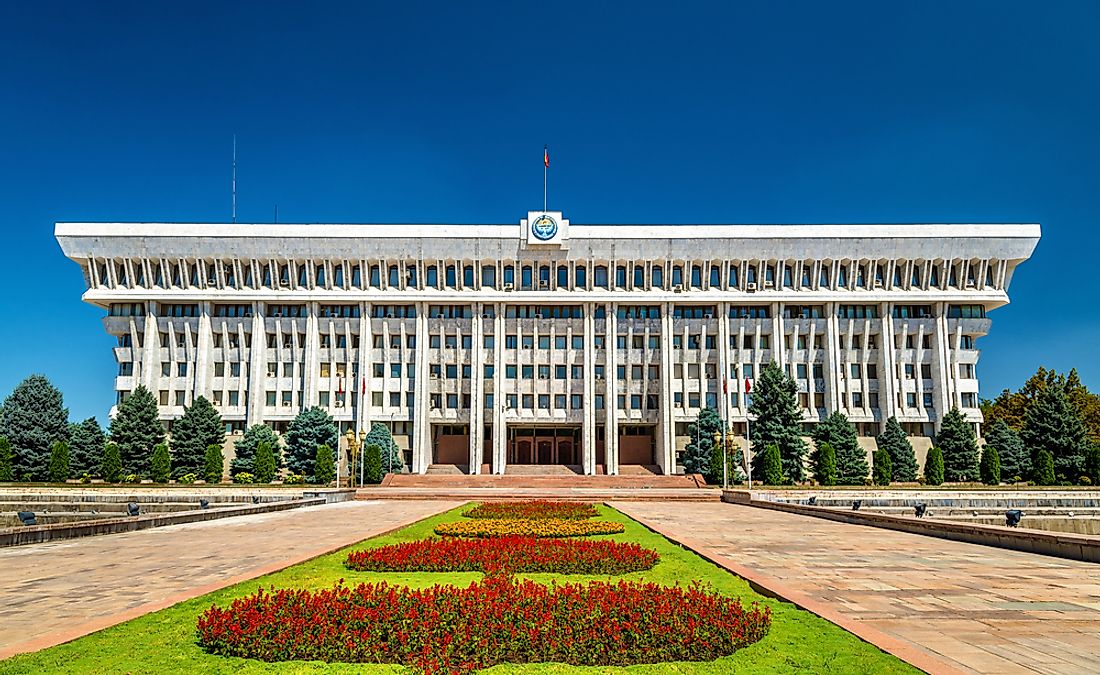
(990, 467)
(825, 464)
(59, 462)
(778, 419)
(699, 452)
(933, 467)
(1015, 459)
(137, 430)
(960, 447)
(245, 449)
(324, 471)
(199, 427)
(86, 442)
(160, 465)
(213, 464)
(1092, 464)
(1051, 424)
(110, 468)
(310, 428)
(264, 470)
(379, 435)
(33, 418)
(771, 465)
(372, 464)
(6, 457)
(1044, 467)
(851, 459)
(882, 471)
(903, 460)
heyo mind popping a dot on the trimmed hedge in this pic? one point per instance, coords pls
(547, 527)
(532, 510)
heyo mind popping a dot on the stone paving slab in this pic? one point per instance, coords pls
(975, 608)
(56, 592)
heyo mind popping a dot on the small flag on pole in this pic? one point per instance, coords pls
(364, 385)
(725, 385)
(546, 156)
(748, 385)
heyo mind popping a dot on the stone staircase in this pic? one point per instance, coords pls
(638, 485)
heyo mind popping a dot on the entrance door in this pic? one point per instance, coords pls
(549, 445)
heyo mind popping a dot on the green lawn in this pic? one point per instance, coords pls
(164, 641)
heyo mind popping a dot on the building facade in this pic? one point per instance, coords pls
(592, 346)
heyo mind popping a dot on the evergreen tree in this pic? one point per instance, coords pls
(933, 467)
(59, 462)
(33, 418)
(903, 460)
(1051, 424)
(1044, 467)
(771, 465)
(825, 464)
(379, 435)
(960, 447)
(265, 469)
(110, 467)
(245, 449)
(990, 467)
(1015, 459)
(698, 454)
(213, 464)
(310, 428)
(882, 470)
(199, 427)
(1085, 403)
(160, 465)
(1092, 464)
(779, 419)
(372, 464)
(137, 430)
(851, 459)
(6, 457)
(324, 471)
(86, 442)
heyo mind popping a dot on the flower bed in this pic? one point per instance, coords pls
(532, 510)
(547, 527)
(444, 629)
(509, 555)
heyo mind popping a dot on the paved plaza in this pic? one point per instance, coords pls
(980, 609)
(59, 591)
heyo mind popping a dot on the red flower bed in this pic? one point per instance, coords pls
(509, 555)
(444, 629)
(533, 510)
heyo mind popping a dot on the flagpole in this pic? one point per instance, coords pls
(545, 167)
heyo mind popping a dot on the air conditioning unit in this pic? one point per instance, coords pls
(751, 287)
(708, 315)
(509, 287)
(878, 283)
(544, 285)
(487, 315)
(339, 404)
(544, 377)
(435, 376)
(286, 404)
(389, 315)
(678, 404)
(970, 284)
(678, 288)
(270, 374)
(769, 284)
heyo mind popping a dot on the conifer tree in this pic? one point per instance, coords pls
(160, 465)
(771, 465)
(1043, 468)
(199, 427)
(990, 466)
(882, 470)
(379, 435)
(136, 429)
(1015, 459)
(110, 467)
(59, 462)
(1092, 464)
(825, 464)
(903, 460)
(264, 470)
(933, 467)
(6, 457)
(310, 428)
(778, 419)
(960, 447)
(698, 454)
(86, 441)
(213, 464)
(372, 464)
(324, 463)
(33, 418)
(244, 459)
(851, 459)
(1051, 424)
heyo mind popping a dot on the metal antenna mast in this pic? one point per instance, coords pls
(234, 178)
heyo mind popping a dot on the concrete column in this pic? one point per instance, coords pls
(500, 435)
(310, 363)
(203, 366)
(667, 439)
(355, 382)
(888, 389)
(588, 430)
(611, 426)
(477, 390)
(257, 369)
(150, 350)
(422, 433)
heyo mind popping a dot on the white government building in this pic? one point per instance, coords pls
(546, 342)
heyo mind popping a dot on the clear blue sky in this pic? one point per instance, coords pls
(413, 112)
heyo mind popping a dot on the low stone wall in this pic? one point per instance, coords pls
(1059, 544)
(36, 534)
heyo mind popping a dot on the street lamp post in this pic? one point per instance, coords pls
(355, 447)
(726, 442)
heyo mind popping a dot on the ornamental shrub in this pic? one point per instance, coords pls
(244, 478)
(294, 479)
(372, 464)
(446, 629)
(213, 464)
(825, 469)
(1043, 467)
(111, 465)
(264, 468)
(324, 471)
(488, 527)
(933, 467)
(883, 469)
(533, 510)
(506, 555)
(188, 479)
(59, 462)
(771, 464)
(160, 464)
(990, 466)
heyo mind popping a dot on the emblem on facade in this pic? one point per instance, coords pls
(544, 228)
